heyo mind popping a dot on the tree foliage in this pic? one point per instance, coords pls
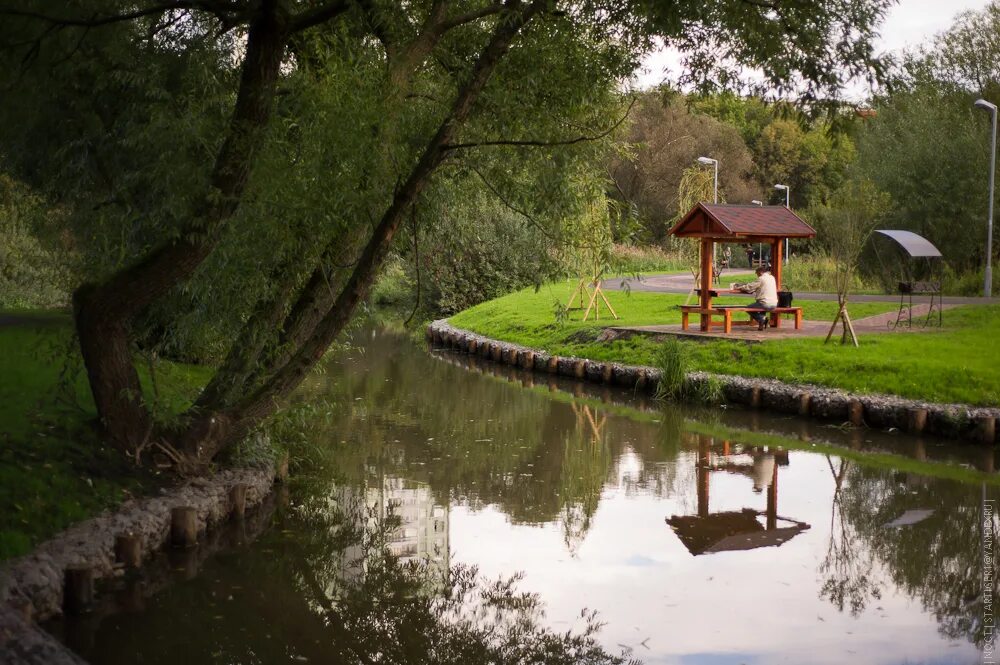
(252, 161)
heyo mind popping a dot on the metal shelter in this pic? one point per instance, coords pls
(917, 276)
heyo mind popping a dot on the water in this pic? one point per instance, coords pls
(696, 542)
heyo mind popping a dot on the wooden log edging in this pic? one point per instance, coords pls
(38, 580)
(955, 421)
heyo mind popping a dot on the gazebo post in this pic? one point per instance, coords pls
(777, 248)
(705, 299)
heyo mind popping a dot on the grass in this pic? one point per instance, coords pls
(957, 364)
(54, 468)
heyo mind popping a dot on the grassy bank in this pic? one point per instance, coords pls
(54, 468)
(953, 365)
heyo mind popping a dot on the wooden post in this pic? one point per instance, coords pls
(777, 247)
(473, 345)
(755, 397)
(238, 500)
(804, 401)
(183, 526)
(986, 429)
(607, 374)
(281, 468)
(705, 281)
(580, 369)
(553, 365)
(916, 420)
(856, 412)
(128, 549)
(78, 589)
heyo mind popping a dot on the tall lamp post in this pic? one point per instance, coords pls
(715, 195)
(788, 192)
(988, 280)
(714, 162)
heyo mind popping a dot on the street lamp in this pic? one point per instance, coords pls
(707, 161)
(757, 203)
(788, 192)
(988, 280)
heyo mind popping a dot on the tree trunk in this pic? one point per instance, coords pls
(218, 430)
(104, 313)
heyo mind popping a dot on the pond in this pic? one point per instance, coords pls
(698, 536)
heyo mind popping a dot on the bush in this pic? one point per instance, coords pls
(817, 273)
(672, 359)
(34, 260)
(634, 259)
(482, 251)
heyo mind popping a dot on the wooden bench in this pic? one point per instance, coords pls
(727, 315)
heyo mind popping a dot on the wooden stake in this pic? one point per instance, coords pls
(184, 526)
(128, 550)
(856, 412)
(238, 500)
(916, 420)
(78, 589)
(281, 470)
(986, 429)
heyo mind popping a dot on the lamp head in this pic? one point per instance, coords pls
(757, 203)
(706, 160)
(781, 186)
(985, 105)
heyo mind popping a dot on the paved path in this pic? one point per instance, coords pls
(880, 323)
(682, 283)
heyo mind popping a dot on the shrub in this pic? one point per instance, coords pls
(672, 359)
(633, 259)
(34, 259)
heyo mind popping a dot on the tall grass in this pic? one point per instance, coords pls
(817, 273)
(634, 259)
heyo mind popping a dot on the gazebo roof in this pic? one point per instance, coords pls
(741, 222)
(730, 531)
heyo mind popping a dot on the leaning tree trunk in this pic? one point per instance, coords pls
(104, 313)
(209, 433)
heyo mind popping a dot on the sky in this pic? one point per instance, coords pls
(908, 24)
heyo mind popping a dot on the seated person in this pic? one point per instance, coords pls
(765, 292)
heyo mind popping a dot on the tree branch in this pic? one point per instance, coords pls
(533, 143)
(469, 17)
(317, 15)
(216, 7)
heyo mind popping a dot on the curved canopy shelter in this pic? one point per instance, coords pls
(912, 266)
(737, 223)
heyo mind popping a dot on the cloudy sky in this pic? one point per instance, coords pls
(910, 23)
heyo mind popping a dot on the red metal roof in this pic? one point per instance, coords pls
(730, 221)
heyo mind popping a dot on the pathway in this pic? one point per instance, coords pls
(682, 283)
(873, 324)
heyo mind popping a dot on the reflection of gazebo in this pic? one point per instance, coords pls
(725, 223)
(735, 530)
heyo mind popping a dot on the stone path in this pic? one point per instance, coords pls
(682, 283)
(872, 324)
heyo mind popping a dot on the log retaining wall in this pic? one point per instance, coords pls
(956, 421)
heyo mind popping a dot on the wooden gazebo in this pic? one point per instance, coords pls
(729, 223)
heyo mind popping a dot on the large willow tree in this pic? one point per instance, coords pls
(274, 148)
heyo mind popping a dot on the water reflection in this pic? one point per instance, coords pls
(708, 532)
(693, 547)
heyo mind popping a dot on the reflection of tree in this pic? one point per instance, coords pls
(477, 440)
(848, 570)
(308, 601)
(937, 560)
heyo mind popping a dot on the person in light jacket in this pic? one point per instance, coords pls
(765, 292)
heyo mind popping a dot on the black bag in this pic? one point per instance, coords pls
(784, 298)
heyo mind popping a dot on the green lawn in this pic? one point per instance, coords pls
(958, 364)
(54, 468)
